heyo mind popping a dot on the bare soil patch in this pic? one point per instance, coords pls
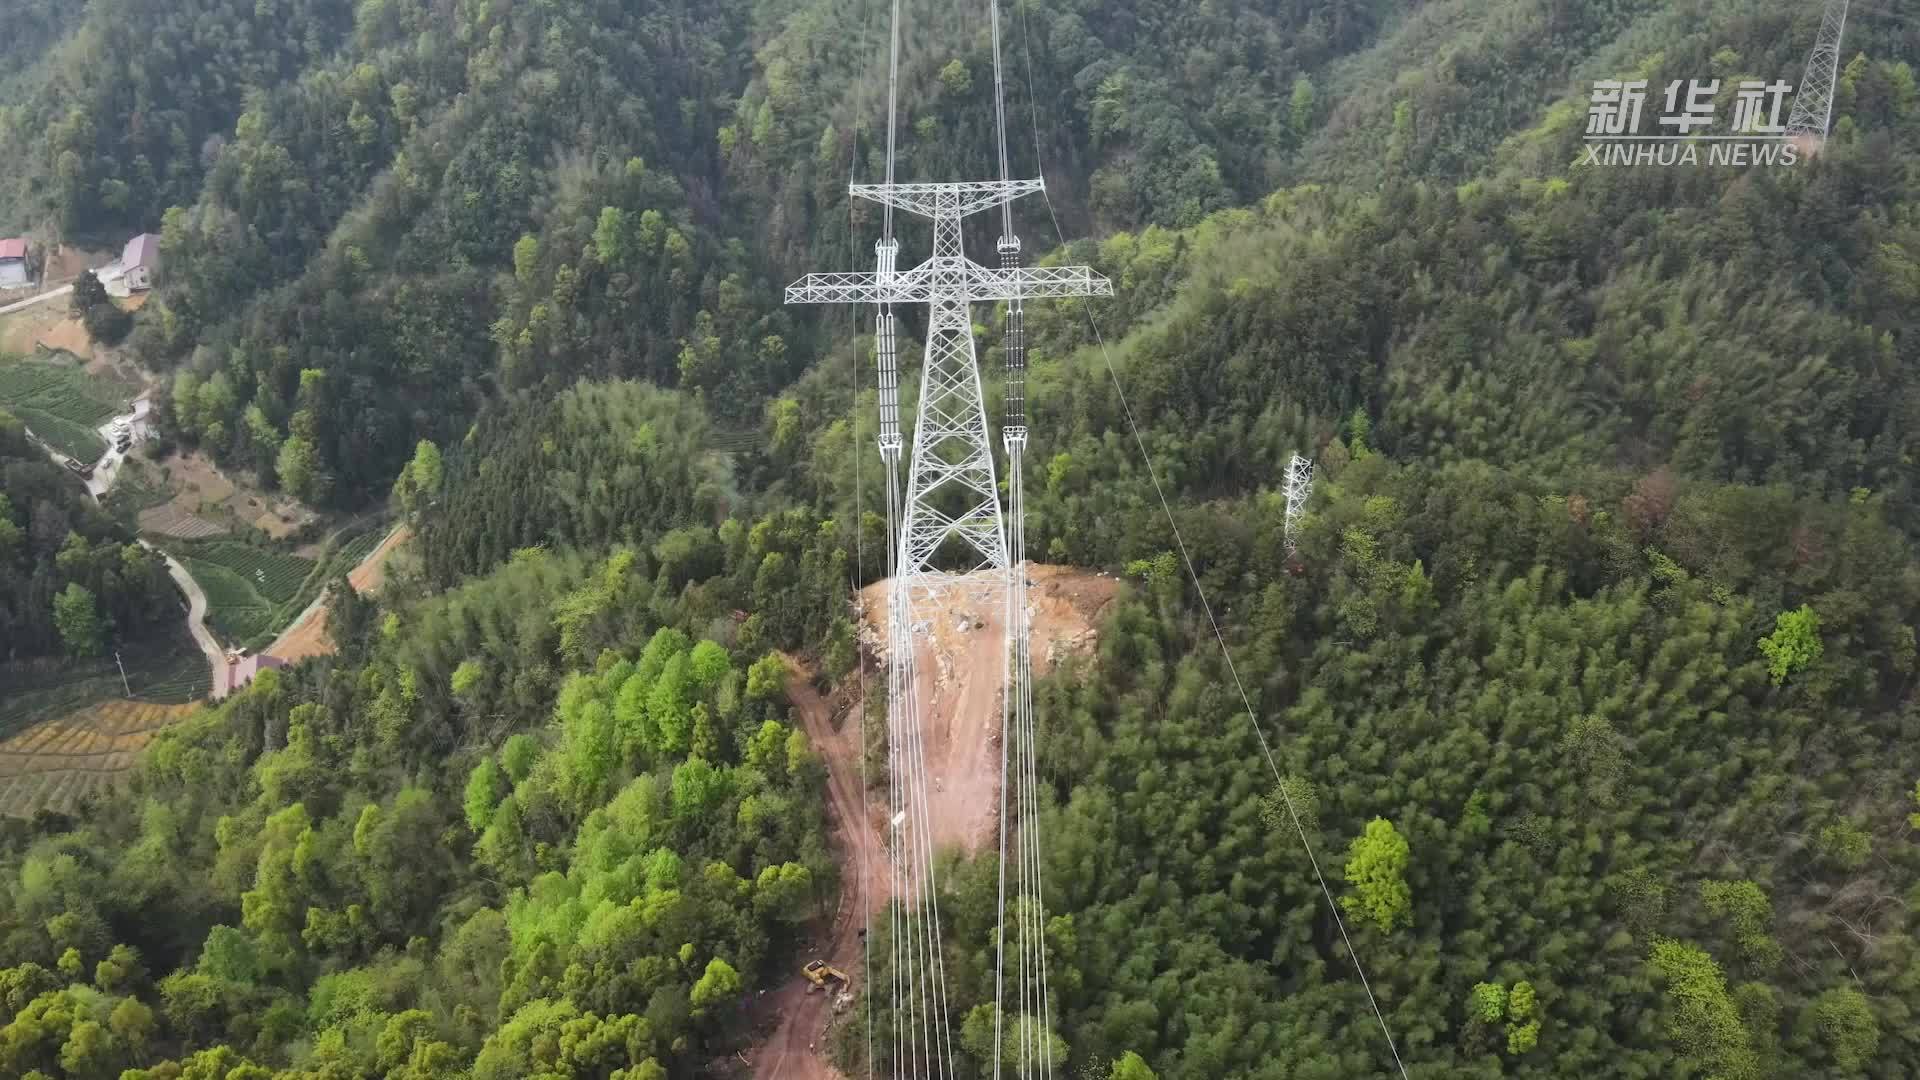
(372, 571)
(281, 518)
(203, 491)
(961, 676)
(194, 477)
(306, 637)
(308, 634)
(114, 363)
(22, 330)
(961, 688)
(66, 261)
(70, 335)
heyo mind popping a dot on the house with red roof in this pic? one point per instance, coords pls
(241, 668)
(13, 263)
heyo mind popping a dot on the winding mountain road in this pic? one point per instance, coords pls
(796, 1050)
(97, 486)
(197, 620)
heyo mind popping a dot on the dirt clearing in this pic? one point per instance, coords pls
(206, 498)
(68, 334)
(47, 325)
(372, 571)
(22, 330)
(306, 637)
(962, 674)
(66, 261)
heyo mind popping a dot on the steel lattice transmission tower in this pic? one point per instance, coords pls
(1299, 489)
(1813, 105)
(950, 528)
(951, 488)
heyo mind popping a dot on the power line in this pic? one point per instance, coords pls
(952, 466)
(859, 583)
(1199, 590)
(1227, 654)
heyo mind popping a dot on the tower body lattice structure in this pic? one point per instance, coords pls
(952, 492)
(948, 532)
(1813, 105)
(1299, 489)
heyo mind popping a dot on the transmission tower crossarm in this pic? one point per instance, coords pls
(969, 281)
(936, 200)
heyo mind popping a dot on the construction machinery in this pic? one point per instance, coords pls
(822, 975)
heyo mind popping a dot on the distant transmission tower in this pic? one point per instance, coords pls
(1813, 106)
(1299, 489)
(946, 531)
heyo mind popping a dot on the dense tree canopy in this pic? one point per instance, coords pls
(1591, 681)
(71, 579)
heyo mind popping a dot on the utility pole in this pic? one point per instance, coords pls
(1813, 106)
(123, 673)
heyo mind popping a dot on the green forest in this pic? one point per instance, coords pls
(71, 579)
(1593, 681)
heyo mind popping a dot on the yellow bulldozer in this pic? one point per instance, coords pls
(822, 975)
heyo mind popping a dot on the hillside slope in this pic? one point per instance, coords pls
(1592, 679)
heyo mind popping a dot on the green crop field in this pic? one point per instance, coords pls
(77, 441)
(275, 577)
(251, 592)
(358, 548)
(62, 404)
(64, 390)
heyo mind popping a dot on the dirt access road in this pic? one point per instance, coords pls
(22, 305)
(196, 600)
(307, 636)
(960, 686)
(797, 1050)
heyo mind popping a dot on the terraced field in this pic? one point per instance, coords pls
(166, 669)
(251, 592)
(168, 519)
(55, 765)
(354, 550)
(62, 403)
